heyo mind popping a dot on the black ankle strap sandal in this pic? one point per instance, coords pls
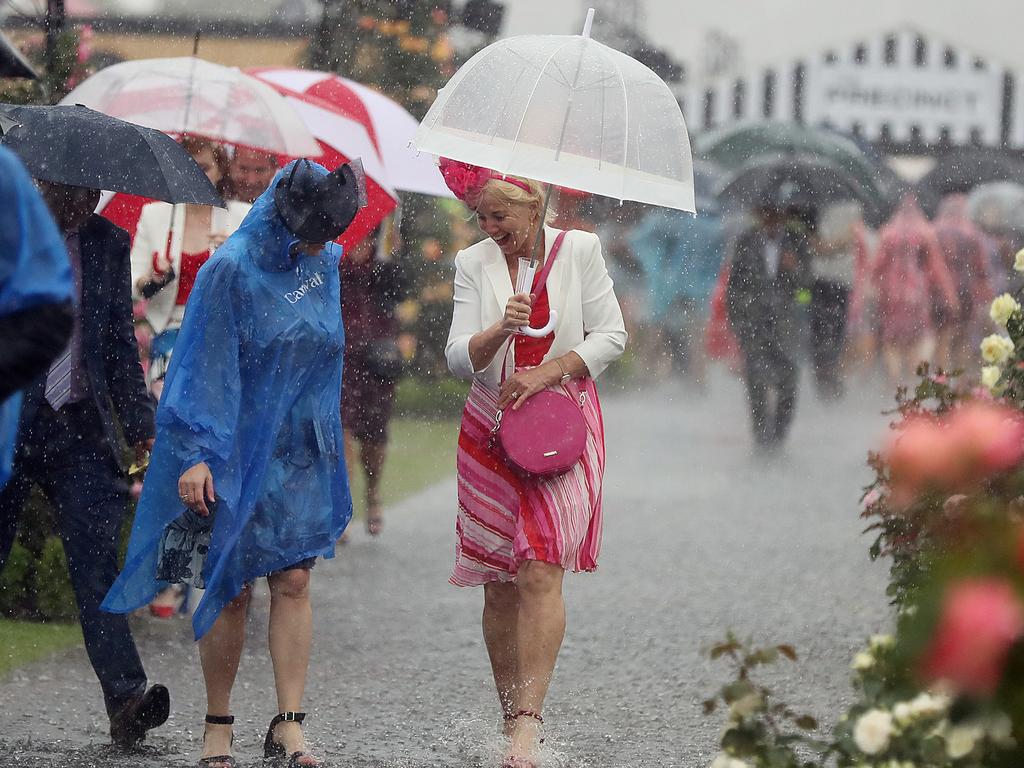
(219, 761)
(273, 750)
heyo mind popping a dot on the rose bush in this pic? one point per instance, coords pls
(947, 508)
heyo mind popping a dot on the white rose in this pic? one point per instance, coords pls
(725, 761)
(927, 705)
(881, 642)
(1018, 262)
(961, 740)
(996, 349)
(903, 713)
(873, 731)
(990, 376)
(1000, 730)
(862, 661)
(1001, 309)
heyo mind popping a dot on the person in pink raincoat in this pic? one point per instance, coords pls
(964, 251)
(913, 286)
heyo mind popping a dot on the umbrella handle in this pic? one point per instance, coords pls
(538, 333)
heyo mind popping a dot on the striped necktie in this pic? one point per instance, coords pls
(58, 381)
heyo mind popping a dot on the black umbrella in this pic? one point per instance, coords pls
(12, 63)
(793, 180)
(962, 171)
(76, 146)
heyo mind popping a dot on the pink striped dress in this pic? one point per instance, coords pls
(504, 518)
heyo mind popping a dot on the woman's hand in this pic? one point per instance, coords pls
(517, 313)
(522, 384)
(195, 487)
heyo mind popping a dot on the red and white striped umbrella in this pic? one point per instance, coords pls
(192, 96)
(342, 139)
(389, 126)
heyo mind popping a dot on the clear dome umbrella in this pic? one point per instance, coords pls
(569, 111)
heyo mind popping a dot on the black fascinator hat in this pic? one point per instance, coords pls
(318, 207)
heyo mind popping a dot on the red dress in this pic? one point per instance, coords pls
(505, 518)
(530, 351)
(190, 264)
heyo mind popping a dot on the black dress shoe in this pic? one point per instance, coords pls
(129, 725)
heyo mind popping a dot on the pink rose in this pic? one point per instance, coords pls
(921, 455)
(957, 451)
(981, 619)
(992, 434)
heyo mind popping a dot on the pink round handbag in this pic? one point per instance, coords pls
(546, 436)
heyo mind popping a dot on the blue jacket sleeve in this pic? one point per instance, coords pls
(34, 267)
(200, 402)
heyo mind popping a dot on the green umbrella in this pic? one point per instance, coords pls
(730, 148)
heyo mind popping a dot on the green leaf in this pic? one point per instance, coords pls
(788, 651)
(737, 690)
(739, 742)
(723, 648)
(806, 722)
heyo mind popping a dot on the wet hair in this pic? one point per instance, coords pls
(512, 194)
(196, 145)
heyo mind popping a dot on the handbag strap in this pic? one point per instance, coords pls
(541, 281)
(550, 262)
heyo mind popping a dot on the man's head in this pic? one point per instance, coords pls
(250, 172)
(70, 206)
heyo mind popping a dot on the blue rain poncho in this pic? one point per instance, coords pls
(253, 390)
(34, 270)
(681, 256)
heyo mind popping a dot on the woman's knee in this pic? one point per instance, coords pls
(501, 596)
(536, 578)
(241, 601)
(292, 584)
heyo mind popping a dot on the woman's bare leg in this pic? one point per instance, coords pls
(373, 454)
(220, 650)
(291, 638)
(500, 620)
(539, 634)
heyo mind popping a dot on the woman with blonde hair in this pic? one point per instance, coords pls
(519, 533)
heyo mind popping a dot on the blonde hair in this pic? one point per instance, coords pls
(512, 194)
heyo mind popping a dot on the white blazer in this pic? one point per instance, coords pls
(579, 288)
(151, 237)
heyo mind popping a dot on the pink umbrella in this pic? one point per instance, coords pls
(389, 126)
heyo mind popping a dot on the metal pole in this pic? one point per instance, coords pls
(587, 25)
(53, 25)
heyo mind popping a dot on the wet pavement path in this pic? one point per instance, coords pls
(700, 536)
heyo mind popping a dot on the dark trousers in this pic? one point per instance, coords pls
(67, 454)
(829, 308)
(771, 379)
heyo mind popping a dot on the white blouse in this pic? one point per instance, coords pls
(579, 288)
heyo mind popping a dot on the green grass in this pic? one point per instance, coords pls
(27, 641)
(420, 453)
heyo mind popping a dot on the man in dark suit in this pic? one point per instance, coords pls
(771, 265)
(69, 442)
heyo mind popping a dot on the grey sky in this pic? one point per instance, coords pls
(770, 31)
